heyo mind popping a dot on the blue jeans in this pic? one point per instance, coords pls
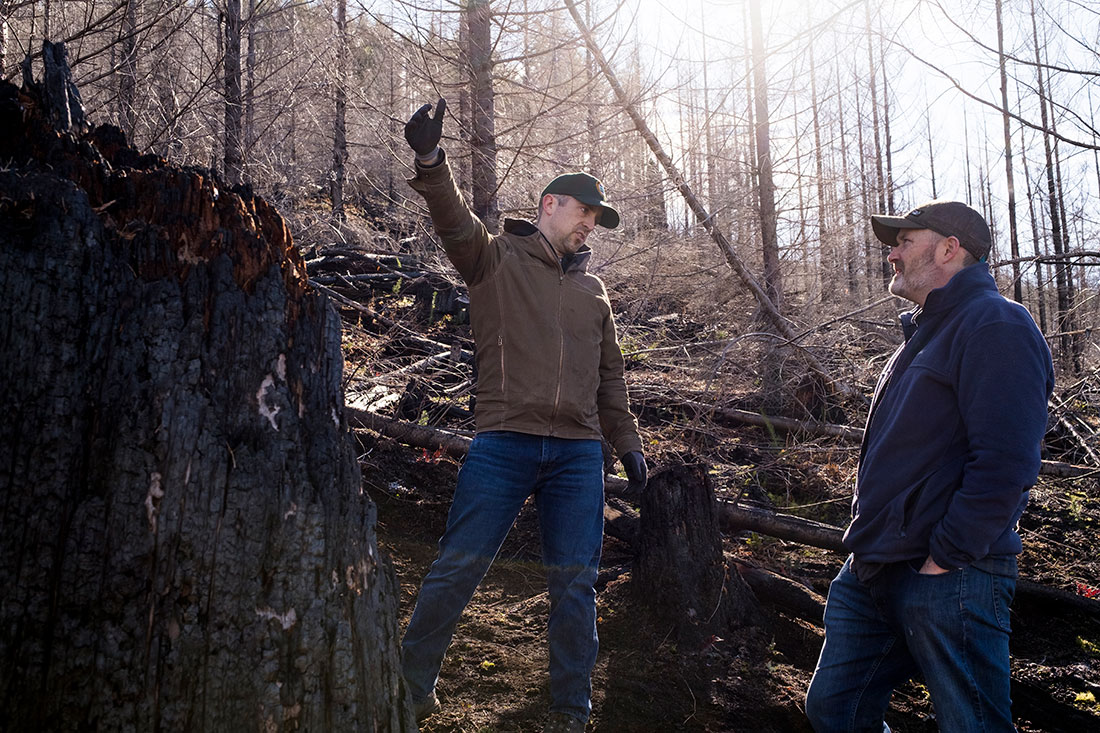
(952, 629)
(501, 470)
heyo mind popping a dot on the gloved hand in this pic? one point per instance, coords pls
(636, 471)
(423, 132)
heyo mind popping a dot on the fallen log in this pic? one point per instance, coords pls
(415, 435)
(773, 422)
(620, 521)
(1066, 470)
(789, 595)
(828, 537)
(371, 278)
(738, 517)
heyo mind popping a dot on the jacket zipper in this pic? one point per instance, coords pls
(561, 353)
(500, 348)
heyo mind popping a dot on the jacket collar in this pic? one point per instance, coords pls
(968, 283)
(535, 244)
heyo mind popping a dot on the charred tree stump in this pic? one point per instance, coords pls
(184, 545)
(680, 570)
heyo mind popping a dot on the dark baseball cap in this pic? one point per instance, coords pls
(949, 218)
(586, 189)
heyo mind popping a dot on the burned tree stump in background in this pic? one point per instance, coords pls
(184, 544)
(680, 570)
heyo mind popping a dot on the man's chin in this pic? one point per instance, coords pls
(897, 286)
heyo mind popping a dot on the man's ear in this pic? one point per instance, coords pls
(548, 203)
(950, 248)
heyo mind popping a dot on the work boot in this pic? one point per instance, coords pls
(563, 723)
(427, 707)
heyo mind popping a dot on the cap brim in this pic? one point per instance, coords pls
(609, 218)
(886, 227)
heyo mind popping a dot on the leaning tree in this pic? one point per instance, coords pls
(184, 544)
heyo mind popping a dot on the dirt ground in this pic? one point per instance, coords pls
(753, 678)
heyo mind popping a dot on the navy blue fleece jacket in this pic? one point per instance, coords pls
(953, 437)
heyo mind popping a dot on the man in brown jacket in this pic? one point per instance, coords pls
(550, 386)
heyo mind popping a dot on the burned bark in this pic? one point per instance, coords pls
(183, 540)
(680, 569)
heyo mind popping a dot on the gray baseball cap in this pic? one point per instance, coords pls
(949, 218)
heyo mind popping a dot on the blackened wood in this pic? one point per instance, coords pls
(184, 545)
(788, 595)
(680, 570)
(66, 110)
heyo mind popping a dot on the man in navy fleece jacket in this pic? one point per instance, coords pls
(949, 453)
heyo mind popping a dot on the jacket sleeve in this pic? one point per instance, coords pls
(463, 236)
(616, 421)
(1004, 379)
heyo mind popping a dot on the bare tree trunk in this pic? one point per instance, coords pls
(394, 132)
(931, 152)
(889, 143)
(339, 131)
(127, 74)
(291, 165)
(804, 271)
(987, 203)
(183, 540)
(773, 276)
(851, 253)
(1014, 242)
(164, 80)
(1092, 123)
(5, 11)
(483, 143)
(713, 202)
(870, 244)
(462, 171)
(1040, 280)
(966, 148)
(234, 153)
(879, 182)
(825, 248)
(1060, 269)
(745, 228)
(1071, 287)
(249, 99)
(592, 132)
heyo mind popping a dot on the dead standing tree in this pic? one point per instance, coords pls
(183, 540)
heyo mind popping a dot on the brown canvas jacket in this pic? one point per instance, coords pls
(548, 359)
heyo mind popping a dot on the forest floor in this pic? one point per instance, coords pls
(753, 678)
(494, 677)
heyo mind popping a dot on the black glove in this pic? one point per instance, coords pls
(636, 471)
(423, 132)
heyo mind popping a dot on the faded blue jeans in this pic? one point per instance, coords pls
(951, 630)
(501, 470)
